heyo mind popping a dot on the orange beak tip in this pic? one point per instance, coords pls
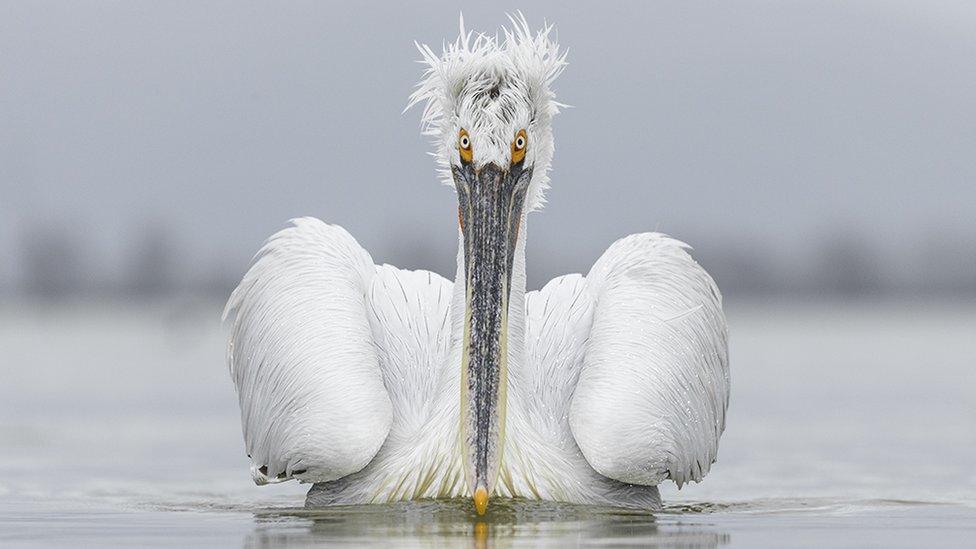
(481, 500)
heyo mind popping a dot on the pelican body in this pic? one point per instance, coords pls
(379, 384)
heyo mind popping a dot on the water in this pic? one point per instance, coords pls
(850, 425)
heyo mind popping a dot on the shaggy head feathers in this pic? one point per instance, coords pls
(492, 87)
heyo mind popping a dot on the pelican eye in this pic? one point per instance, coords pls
(518, 146)
(464, 146)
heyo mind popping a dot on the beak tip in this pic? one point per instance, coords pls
(481, 500)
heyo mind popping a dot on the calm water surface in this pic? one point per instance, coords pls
(850, 425)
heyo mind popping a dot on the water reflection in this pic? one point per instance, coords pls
(511, 523)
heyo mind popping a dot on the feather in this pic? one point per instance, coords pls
(456, 82)
(654, 387)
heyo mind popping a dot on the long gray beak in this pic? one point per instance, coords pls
(490, 202)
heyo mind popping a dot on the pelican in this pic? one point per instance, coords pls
(379, 384)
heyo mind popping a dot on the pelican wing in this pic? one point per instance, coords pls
(409, 312)
(558, 320)
(652, 392)
(302, 355)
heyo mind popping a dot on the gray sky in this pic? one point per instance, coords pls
(763, 125)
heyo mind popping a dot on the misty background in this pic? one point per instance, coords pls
(803, 149)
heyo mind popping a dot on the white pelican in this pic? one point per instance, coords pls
(379, 384)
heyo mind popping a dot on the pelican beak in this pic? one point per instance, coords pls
(490, 202)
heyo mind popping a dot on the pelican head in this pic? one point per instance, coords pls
(489, 109)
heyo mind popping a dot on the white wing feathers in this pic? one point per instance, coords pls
(301, 353)
(409, 312)
(651, 397)
(558, 320)
(317, 327)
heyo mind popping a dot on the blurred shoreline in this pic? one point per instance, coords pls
(197, 308)
(57, 265)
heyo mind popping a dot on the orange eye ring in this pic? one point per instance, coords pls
(519, 144)
(464, 146)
